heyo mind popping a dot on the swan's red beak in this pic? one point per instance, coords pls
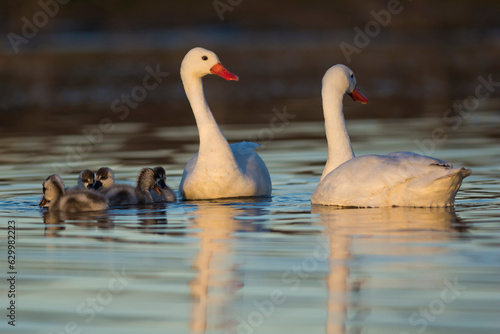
(221, 71)
(358, 96)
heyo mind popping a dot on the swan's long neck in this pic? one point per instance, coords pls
(211, 137)
(339, 144)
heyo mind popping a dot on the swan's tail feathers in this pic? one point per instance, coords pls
(465, 172)
(461, 172)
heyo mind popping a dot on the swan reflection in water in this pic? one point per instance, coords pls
(217, 279)
(349, 235)
(399, 226)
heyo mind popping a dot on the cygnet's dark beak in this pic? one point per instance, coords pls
(162, 184)
(97, 185)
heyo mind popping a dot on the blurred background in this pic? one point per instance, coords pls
(63, 63)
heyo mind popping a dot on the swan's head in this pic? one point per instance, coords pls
(53, 188)
(146, 179)
(199, 62)
(341, 77)
(86, 179)
(160, 176)
(104, 178)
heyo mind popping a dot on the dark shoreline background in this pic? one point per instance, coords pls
(428, 57)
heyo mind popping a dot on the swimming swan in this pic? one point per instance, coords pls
(167, 194)
(218, 170)
(86, 179)
(124, 194)
(394, 179)
(76, 200)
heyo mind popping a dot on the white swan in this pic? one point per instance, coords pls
(218, 170)
(395, 179)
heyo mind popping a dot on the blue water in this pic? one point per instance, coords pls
(255, 266)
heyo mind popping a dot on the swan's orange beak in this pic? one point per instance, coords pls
(221, 71)
(358, 96)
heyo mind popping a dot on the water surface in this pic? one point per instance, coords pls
(273, 265)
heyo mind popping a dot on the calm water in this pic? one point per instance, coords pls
(254, 266)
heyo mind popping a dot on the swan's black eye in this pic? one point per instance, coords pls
(352, 75)
(204, 57)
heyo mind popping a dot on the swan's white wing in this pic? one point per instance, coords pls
(378, 171)
(377, 180)
(419, 159)
(245, 176)
(252, 166)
